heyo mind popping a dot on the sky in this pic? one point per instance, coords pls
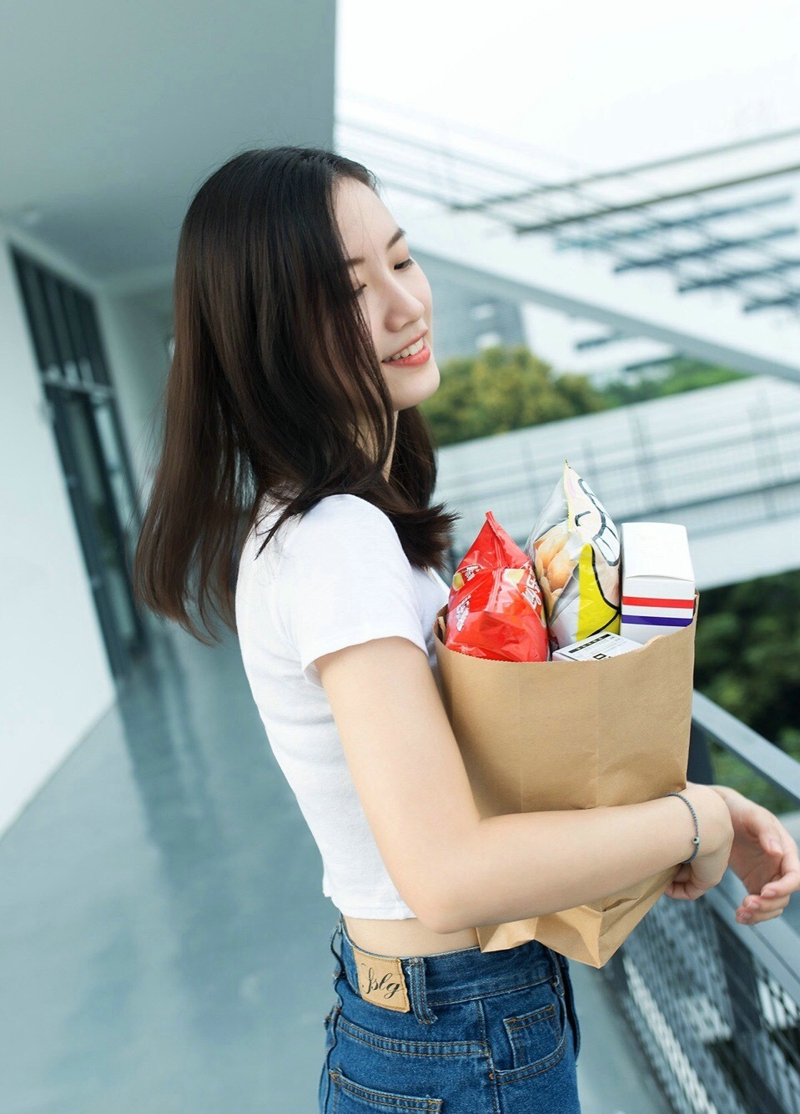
(599, 85)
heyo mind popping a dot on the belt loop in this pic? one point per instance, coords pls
(558, 970)
(352, 981)
(339, 960)
(417, 995)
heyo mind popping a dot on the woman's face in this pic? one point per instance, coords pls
(394, 294)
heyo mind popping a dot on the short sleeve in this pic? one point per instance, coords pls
(345, 579)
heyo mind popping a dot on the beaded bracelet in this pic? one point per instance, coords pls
(696, 837)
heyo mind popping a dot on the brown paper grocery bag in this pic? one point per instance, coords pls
(560, 735)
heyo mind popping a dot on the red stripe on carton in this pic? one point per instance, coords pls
(646, 601)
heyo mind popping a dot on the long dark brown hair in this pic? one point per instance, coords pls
(273, 381)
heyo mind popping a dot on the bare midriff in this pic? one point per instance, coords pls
(405, 937)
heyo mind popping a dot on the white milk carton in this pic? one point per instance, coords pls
(657, 580)
(596, 647)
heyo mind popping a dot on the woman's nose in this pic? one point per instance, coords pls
(404, 308)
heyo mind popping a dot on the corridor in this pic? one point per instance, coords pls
(164, 938)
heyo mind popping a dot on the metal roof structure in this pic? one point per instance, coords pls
(725, 218)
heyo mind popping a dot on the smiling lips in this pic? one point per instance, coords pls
(416, 353)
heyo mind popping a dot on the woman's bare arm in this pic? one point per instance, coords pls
(529, 864)
(455, 869)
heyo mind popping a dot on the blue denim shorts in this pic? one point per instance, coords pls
(460, 1032)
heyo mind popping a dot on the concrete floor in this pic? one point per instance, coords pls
(163, 934)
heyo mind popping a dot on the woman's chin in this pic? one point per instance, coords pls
(413, 386)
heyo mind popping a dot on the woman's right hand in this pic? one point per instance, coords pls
(716, 838)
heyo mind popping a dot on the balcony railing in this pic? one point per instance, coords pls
(723, 459)
(714, 1004)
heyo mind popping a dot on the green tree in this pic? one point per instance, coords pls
(681, 374)
(511, 388)
(747, 660)
(747, 652)
(503, 389)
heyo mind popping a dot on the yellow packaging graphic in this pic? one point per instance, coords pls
(575, 551)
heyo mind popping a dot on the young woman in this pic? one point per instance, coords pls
(293, 499)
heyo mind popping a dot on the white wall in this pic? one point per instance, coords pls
(55, 681)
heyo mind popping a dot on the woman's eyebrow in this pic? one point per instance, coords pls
(360, 259)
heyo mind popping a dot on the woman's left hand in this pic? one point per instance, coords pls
(763, 855)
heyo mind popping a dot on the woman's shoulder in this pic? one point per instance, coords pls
(338, 519)
(343, 504)
(346, 520)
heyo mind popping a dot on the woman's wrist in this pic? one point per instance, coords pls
(725, 792)
(696, 836)
(714, 819)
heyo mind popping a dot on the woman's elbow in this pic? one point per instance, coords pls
(438, 911)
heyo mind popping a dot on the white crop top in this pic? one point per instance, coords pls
(336, 577)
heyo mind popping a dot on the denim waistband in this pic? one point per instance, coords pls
(456, 976)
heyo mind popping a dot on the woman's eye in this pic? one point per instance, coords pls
(398, 267)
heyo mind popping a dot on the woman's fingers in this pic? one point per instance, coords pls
(784, 886)
(684, 890)
(755, 909)
(772, 897)
(757, 918)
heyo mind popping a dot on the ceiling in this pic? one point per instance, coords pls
(112, 114)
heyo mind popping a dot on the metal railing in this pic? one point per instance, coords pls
(711, 478)
(716, 1005)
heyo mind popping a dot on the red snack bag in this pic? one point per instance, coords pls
(495, 606)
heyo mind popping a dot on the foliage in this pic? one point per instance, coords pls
(747, 660)
(511, 388)
(680, 375)
(729, 770)
(748, 651)
(503, 389)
